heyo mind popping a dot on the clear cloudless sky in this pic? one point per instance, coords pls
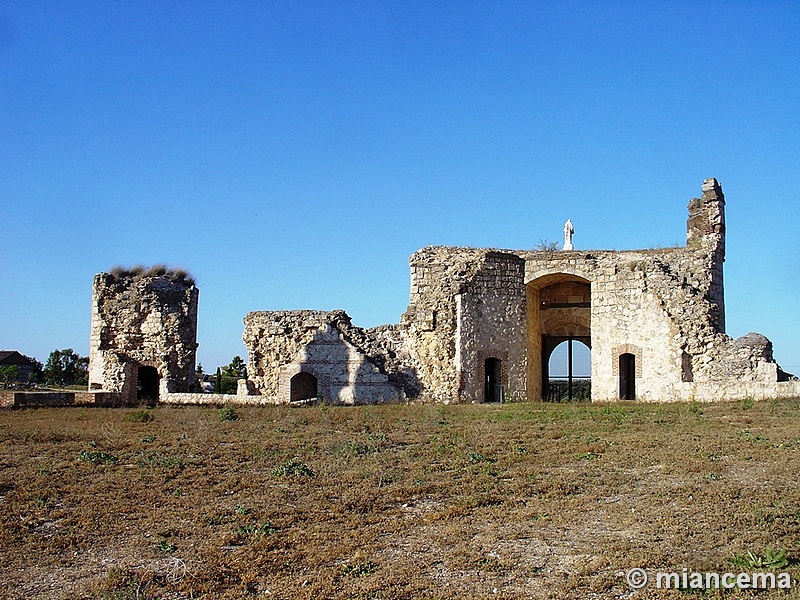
(294, 154)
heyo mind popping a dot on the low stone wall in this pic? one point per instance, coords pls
(14, 399)
(740, 390)
(723, 391)
(214, 399)
(788, 389)
(31, 399)
(97, 398)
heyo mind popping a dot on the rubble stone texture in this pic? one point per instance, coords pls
(348, 364)
(140, 321)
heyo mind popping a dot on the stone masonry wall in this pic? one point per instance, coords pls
(653, 304)
(664, 307)
(490, 316)
(15, 399)
(216, 399)
(140, 320)
(351, 365)
(629, 292)
(705, 230)
(430, 320)
(466, 305)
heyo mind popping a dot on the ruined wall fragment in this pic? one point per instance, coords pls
(349, 365)
(466, 305)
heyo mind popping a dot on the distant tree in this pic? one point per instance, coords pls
(66, 367)
(218, 382)
(36, 373)
(230, 375)
(9, 374)
(237, 368)
(199, 369)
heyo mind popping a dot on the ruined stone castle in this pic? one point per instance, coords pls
(481, 326)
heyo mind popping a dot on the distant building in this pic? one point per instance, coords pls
(12, 358)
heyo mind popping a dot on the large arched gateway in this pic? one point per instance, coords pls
(558, 311)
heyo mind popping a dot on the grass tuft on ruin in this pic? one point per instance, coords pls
(136, 272)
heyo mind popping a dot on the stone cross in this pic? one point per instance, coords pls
(568, 231)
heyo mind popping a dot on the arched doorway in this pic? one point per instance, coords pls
(559, 311)
(627, 376)
(303, 386)
(493, 373)
(147, 383)
(568, 370)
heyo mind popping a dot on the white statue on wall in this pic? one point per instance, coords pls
(568, 231)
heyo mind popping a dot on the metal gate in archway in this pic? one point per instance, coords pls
(575, 384)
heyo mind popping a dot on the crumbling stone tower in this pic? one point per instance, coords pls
(144, 333)
(465, 323)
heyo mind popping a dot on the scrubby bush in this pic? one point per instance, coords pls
(293, 467)
(227, 413)
(159, 270)
(140, 416)
(96, 457)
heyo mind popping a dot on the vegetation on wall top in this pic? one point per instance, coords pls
(159, 270)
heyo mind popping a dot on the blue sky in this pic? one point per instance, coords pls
(294, 154)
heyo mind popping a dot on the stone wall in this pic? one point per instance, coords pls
(664, 307)
(466, 305)
(345, 364)
(215, 399)
(667, 308)
(14, 399)
(430, 320)
(480, 326)
(141, 320)
(484, 319)
(464, 308)
(705, 230)
(657, 305)
(490, 324)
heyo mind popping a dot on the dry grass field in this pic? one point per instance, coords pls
(503, 501)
